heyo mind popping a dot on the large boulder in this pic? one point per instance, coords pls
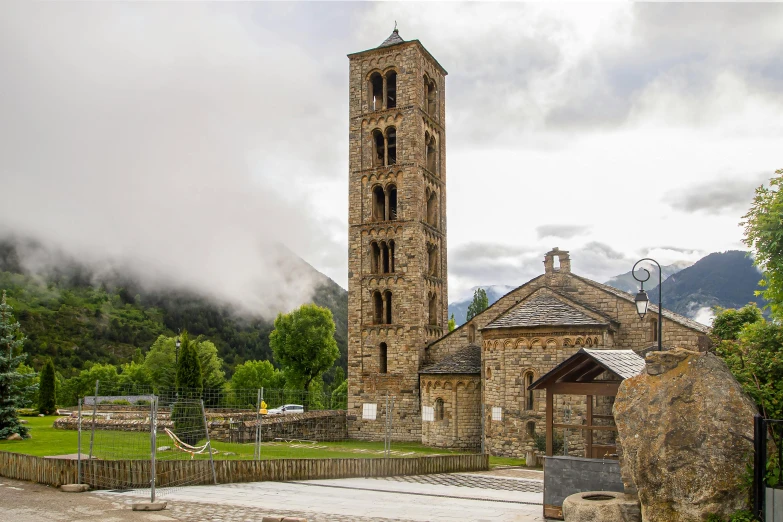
(685, 428)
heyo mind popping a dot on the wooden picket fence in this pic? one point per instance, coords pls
(135, 473)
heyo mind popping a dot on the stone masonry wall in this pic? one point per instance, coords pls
(411, 281)
(460, 426)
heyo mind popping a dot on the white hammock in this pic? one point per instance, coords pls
(187, 448)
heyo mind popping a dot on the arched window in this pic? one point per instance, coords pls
(391, 89)
(488, 373)
(531, 429)
(391, 256)
(378, 204)
(431, 153)
(375, 258)
(378, 149)
(391, 146)
(376, 92)
(433, 309)
(382, 358)
(377, 300)
(438, 409)
(385, 257)
(529, 399)
(388, 302)
(471, 333)
(391, 190)
(432, 261)
(432, 209)
(432, 96)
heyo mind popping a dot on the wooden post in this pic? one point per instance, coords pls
(589, 434)
(550, 409)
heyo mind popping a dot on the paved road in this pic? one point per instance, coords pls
(435, 498)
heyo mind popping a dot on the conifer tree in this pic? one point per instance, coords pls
(11, 390)
(47, 398)
(186, 413)
(189, 377)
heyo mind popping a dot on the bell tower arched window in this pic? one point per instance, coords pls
(432, 209)
(377, 300)
(432, 261)
(391, 190)
(391, 146)
(431, 153)
(376, 92)
(433, 306)
(375, 258)
(388, 306)
(378, 149)
(391, 256)
(378, 203)
(391, 89)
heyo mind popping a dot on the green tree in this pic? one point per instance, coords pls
(47, 397)
(339, 376)
(189, 376)
(160, 363)
(479, 304)
(11, 357)
(83, 384)
(257, 374)
(452, 323)
(764, 235)
(303, 343)
(340, 396)
(728, 322)
(30, 383)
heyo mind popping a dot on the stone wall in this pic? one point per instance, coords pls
(564, 476)
(460, 426)
(411, 280)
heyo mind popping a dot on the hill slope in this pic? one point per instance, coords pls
(627, 283)
(726, 279)
(74, 315)
(460, 308)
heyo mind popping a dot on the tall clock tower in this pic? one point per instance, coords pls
(397, 286)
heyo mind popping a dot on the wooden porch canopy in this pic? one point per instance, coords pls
(579, 375)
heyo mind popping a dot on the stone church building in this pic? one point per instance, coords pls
(452, 389)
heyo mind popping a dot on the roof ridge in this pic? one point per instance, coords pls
(543, 294)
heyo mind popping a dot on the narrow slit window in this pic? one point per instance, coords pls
(433, 261)
(433, 305)
(439, 409)
(432, 94)
(471, 333)
(375, 261)
(391, 256)
(529, 399)
(385, 257)
(378, 148)
(378, 307)
(382, 358)
(432, 155)
(392, 189)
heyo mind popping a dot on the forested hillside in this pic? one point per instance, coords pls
(75, 315)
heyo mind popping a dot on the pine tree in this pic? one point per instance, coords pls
(47, 398)
(11, 391)
(186, 413)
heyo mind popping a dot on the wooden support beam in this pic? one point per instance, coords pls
(584, 388)
(550, 409)
(589, 434)
(584, 427)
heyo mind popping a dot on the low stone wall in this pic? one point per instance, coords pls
(564, 476)
(323, 426)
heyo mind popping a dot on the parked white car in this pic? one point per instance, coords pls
(286, 409)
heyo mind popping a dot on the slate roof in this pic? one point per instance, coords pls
(677, 318)
(625, 363)
(393, 39)
(467, 360)
(544, 310)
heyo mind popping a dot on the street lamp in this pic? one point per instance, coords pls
(177, 344)
(642, 301)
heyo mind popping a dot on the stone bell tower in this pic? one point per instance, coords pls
(397, 291)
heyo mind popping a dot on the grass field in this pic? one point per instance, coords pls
(47, 441)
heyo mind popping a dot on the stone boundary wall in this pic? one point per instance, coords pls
(135, 473)
(322, 425)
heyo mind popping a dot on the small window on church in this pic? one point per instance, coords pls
(471, 333)
(388, 302)
(531, 429)
(391, 146)
(385, 257)
(376, 92)
(488, 373)
(382, 358)
(529, 398)
(654, 330)
(378, 307)
(439, 409)
(378, 149)
(391, 89)
(378, 204)
(433, 309)
(432, 261)
(432, 209)
(391, 256)
(432, 94)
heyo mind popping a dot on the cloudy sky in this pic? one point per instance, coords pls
(187, 138)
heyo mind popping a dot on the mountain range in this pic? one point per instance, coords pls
(725, 279)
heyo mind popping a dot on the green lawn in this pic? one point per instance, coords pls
(128, 445)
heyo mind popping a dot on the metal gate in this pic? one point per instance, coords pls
(768, 469)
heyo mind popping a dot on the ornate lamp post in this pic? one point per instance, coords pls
(643, 301)
(177, 344)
